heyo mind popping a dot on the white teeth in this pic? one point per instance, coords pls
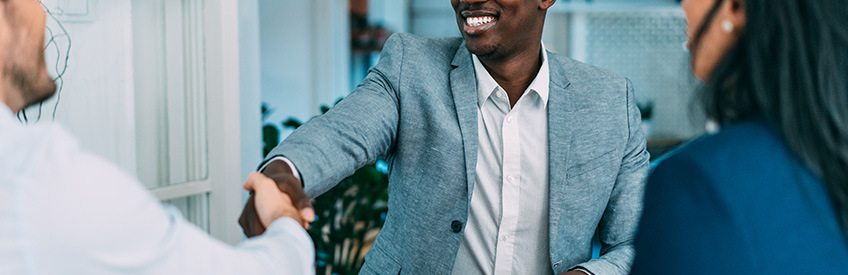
(479, 21)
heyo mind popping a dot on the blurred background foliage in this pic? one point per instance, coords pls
(349, 216)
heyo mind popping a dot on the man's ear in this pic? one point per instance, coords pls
(5, 28)
(5, 36)
(545, 4)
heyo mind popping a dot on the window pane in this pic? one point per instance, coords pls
(170, 87)
(194, 208)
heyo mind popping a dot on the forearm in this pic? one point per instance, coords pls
(620, 219)
(332, 147)
(279, 164)
(285, 248)
(616, 261)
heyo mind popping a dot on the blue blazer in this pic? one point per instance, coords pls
(418, 108)
(738, 202)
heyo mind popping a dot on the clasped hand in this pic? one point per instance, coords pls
(274, 195)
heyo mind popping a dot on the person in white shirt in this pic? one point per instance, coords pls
(85, 216)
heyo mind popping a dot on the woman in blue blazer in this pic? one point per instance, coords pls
(768, 193)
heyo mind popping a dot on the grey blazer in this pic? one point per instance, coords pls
(418, 108)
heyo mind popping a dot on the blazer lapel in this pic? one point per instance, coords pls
(464, 89)
(561, 108)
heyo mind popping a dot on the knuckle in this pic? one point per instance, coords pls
(286, 198)
(265, 180)
(253, 176)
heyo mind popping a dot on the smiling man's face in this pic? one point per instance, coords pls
(495, 29)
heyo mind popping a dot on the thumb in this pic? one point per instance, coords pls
(304, 203)
(257, 181)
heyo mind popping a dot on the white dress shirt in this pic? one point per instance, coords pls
(507, 230)
(64, 211)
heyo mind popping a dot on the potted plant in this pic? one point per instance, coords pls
(349, 216)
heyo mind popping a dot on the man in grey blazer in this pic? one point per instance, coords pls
(503, 158)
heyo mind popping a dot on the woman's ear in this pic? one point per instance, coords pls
(736, 11)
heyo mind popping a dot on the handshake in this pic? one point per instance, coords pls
(275, 194)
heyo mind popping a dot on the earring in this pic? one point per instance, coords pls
(727, 26)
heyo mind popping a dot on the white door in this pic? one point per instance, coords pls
(186, 77)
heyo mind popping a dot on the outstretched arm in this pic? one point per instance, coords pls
(87, 217)
(354, 133)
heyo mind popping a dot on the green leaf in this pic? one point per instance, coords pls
(346, 213)
(292, 123)
(270, 138)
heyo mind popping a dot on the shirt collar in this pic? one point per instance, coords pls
(486, 85)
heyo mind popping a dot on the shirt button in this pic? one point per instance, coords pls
(510, 178)
(456, 226)
(505, 237)
(510, 118)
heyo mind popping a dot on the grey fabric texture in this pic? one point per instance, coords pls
(418, 109)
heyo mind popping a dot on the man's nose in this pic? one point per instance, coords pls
(469, 2)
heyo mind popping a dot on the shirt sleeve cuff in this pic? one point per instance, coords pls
(287, 161)
(289, 227)
(284, 224)
(581, 269)
(287, 241)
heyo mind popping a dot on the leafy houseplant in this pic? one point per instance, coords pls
(349, 216)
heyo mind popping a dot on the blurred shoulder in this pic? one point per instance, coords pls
(32, 150)
(423, 49)
(741, 142)
(416, 41)
(581, 73)
(26, 146)
(742, 155)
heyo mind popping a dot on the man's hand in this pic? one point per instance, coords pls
(287, 183)
(270, 203)
(574, 272)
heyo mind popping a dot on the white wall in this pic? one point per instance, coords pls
(251, 86)
(391, 14)
(105, 106)
(433, 18)
(305, 55)
(97, 102)
(222, 48)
